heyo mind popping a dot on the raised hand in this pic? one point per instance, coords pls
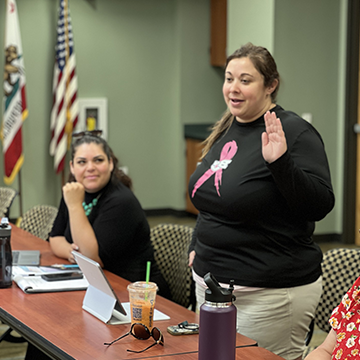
(273, 139)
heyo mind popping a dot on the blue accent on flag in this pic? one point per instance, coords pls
(61, 38)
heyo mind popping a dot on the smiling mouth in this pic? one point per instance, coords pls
(236, 101)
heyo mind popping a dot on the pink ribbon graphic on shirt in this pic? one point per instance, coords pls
(227, 153)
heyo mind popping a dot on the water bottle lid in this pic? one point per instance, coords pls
(4, 222)
(215, 293)
(5, 228)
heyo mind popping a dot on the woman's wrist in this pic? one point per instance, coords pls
(75, 208)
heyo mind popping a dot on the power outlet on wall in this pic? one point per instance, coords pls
(125, 169)
(307, 117)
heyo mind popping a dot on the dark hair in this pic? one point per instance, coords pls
(265, 64)
(117, 174)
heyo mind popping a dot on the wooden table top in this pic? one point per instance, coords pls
(245, 353)
(56, 322)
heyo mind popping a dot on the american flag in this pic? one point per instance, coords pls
(65, 110)
(14, 101)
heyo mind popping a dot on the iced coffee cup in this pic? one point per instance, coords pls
(142, 302)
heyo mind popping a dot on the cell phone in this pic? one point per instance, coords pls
(64, 276)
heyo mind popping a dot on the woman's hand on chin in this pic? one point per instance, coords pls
(73, 193)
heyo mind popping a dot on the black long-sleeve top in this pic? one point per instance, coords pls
(121, 230)
(256, 219)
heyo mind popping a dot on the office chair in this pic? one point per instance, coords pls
(341, 267)
(7, 196)
(39, 220)
(171, 243)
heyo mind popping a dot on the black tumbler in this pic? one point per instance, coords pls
(5, 254)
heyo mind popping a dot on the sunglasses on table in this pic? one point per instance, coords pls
(141, 332)
(80, 134)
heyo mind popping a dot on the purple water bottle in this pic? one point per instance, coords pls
(217, 332)
(5, 254)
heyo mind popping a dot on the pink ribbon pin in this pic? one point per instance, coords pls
(227, 153)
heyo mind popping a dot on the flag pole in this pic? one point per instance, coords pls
(68, 124)
(20, 193)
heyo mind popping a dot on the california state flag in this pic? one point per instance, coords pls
(14, 101)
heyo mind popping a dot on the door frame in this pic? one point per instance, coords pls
(351, 183)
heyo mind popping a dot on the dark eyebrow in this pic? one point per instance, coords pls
(247, 74)
(243, 74)
(94, 158)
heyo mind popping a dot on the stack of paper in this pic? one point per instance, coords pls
(35, 284)
(40, 270)
(29, 279)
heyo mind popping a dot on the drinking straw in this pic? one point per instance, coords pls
(148, 264)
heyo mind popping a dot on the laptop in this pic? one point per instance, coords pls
(25, 257)
(100, 299)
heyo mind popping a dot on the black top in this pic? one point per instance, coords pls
(256, 219)
(121, 230)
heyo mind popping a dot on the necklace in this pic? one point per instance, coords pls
(88, 207)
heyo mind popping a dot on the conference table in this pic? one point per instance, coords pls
(56, 323)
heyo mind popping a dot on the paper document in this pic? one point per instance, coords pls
(40, 270)
(35, 284)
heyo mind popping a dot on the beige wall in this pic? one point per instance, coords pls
(310, 48)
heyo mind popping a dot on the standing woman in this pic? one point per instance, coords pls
(262, 183)
(100, 216)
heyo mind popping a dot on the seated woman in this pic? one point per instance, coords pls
(343, 340)
(100, 216)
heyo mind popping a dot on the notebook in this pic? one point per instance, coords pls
(25, 257)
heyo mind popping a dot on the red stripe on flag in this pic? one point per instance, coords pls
(60, 107)
(60, 167)
(59, 77)
(75, 121)
(13, 153)
(60, 135)
(73, 98)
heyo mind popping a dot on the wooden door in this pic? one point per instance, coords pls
(218, 32)
(193, 154)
